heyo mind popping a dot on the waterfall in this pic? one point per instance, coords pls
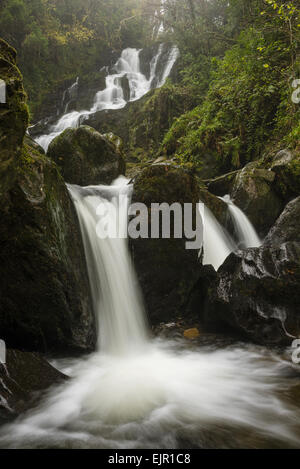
(137, 392)
(116, 298)
(128, 66)
(247, 236)
(217, 243)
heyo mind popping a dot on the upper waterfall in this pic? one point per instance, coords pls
(127, 67)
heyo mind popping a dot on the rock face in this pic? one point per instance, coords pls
(287, 227)
(256, 294)
(166, 270)
(86, 157)
(22, 380)
(256, 290)
(286, 166)
(45, 299)
(253, 193)
(13, 116)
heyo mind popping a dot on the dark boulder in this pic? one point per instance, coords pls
(13, 117)
(287, 227)
(45, 301)
(167, 271)
(217, 206)
(286, 166)
(86, 157)
(253, 192)
(256, 294)
(23, 379)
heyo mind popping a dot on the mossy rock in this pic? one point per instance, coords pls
(253, 192)
(143, 124)
(217, 206)
(13, 116)
(86, 157)
(286, 166)
(45, 300)
(166, 270)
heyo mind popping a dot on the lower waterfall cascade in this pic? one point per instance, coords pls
(140, 392)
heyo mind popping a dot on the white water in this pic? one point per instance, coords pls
(112, 97)
(112, 277)
(247, 236)
(140, 393)
(217, 243)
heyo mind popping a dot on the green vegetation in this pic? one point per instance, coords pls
(231, 100)
(247, 105)
(56, 39)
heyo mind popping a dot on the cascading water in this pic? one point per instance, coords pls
(135, 392)
(247, 236)
(112, 97)
(217, 243)
(111, 274)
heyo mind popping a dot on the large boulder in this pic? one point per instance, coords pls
(287, 227)
(167, 271)
(253, 192)
(256, 290)
(256, 294)
(86, 157)
(23, 378)
(45, 301)
(286, 166)
(216, 205)
(13, 117)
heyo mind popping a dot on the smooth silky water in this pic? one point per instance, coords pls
(140, 392)
(112, 97)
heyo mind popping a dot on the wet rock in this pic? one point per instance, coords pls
(167, 271)
(85, 157)
(256, 294)
(217, 206)
(23, 379)
(286, 166)
(222, 185)
(253, 192)
(287, 227)
(125, 88)
(45, 301)
(13, 117)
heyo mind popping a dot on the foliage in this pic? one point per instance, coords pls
(57, 39)
(248, 104)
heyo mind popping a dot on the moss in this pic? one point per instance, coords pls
(86, 157)
(13, 116)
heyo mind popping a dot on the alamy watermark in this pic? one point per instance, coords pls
(2, 352)
(2, 91)
(159, 221)
(296, 351)
(296, 93)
